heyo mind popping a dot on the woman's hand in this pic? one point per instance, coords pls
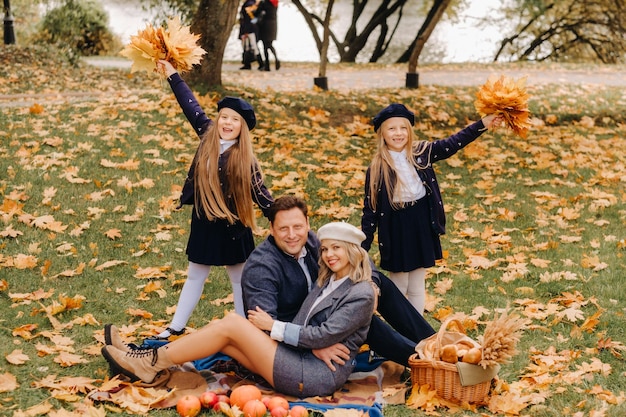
(165, 67)
(260, 319)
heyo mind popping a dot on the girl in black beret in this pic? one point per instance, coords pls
(223, 183)
(403, 200)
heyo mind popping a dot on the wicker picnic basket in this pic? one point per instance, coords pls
(443, 377)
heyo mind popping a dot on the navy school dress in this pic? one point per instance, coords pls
(215, 242)
(408, 238)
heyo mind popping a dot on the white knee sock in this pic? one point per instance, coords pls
(189, 295)
(416, 290)
(234, 272)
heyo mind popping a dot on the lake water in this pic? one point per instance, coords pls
(458, 42)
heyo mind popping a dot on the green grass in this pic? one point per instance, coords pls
(131, 148)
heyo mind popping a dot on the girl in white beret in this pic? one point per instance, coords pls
(337, 310)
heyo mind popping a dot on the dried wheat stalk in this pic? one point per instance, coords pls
(500, 338)
(508, 98)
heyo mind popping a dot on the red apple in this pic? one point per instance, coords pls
(208, 399)
(223, 398)
(279, 411)
(188, 406)
(222, 407)
(277, 401)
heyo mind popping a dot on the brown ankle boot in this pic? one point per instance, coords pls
(137, 364)
(112, 337)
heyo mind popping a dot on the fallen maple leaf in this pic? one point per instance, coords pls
(139, 312)
(17, 357)
(113, 234)
(8, 382)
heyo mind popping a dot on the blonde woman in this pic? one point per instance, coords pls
(337, 310)
(223, 184)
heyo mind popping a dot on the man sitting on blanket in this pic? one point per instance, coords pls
(282, 269)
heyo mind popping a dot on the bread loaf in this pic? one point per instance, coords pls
(449, 354)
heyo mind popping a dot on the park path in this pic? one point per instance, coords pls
(300, 76)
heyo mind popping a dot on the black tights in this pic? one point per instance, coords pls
(269, 47)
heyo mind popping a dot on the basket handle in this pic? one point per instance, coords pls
(444, 326)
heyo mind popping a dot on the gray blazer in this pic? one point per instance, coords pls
(343, 316)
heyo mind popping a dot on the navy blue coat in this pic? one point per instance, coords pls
(215, 242)
(433, 152)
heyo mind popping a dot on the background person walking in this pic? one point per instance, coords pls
(268, 27)
(249, 35)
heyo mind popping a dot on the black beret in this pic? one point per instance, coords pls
(241, 106)
(393, 110)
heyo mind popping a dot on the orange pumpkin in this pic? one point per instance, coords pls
(244, 393)
(254, 408)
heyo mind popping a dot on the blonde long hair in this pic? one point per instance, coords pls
(360, 270)
(240, 170)
(383, 170)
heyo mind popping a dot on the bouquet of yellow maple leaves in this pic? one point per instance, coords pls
(508, 98)
(175, 44)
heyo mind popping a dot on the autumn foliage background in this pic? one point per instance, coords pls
(90, 233)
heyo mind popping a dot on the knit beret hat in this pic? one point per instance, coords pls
(393, 110)
(341, 231)
(241, 106)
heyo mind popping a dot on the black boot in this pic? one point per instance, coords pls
(266, 67)
(260, 61)
(245, 60)
(277, 64)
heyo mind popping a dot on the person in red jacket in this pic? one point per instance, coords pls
(268, 27)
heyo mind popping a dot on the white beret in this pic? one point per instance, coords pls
(341, 231)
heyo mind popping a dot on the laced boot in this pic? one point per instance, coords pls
(138, 364)
(112, 337)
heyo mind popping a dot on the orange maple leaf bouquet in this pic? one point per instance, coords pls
(508, 98)
(175, 44)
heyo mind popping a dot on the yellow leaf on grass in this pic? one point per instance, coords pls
(113, 234)
(36, 410)
(139, 312)
(17, 357)
(66, 359)
(420, 396)
(22, 261)
(109, 264)
(8, 382)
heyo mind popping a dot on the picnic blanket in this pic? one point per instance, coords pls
(376, 384)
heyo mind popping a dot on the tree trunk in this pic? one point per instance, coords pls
(213, 21)
(324, 50)
(434, 15)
